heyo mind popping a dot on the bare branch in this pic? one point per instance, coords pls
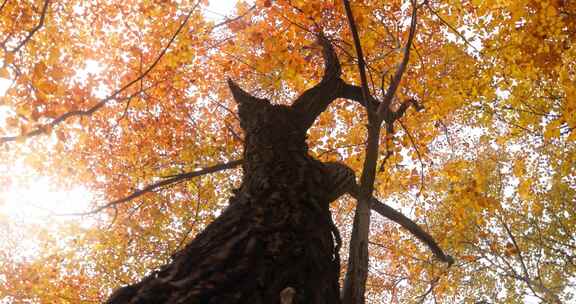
(172, 180)
(423, 296)
(35, 29)
(103, 102)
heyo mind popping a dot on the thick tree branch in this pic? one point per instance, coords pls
(103, 102)
(35, 29)
(172, 180)
(353, 92)
(357, 272)
(344, 177)
(384, 108)
(241, 96)
(412, 227)
(359, 53)
(315, 100)
(356, 276)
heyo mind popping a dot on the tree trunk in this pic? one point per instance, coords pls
(275, 239)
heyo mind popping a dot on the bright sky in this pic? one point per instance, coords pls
(220, 8)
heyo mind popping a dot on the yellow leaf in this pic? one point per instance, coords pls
(48, 87)
(54, 56)
(537, 208)
(8, 58)
(4, 73)
(39, 70)
(519, 168)
(550, 11)
(552, 130)
(524, 189)
(572, 136)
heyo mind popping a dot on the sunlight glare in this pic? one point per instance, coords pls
(40, 201)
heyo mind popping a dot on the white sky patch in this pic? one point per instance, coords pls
(219, 9)
(4, 86)
(5, 112)
(90, 67)
(93, 68)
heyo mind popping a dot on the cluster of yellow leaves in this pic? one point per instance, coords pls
(513, 79)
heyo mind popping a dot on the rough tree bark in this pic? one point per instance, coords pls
(275, 242)
(276, 237)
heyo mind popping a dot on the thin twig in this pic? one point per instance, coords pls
(451, 27)
(3, 4)
(413, 142)
(230, 20)
(430, 289)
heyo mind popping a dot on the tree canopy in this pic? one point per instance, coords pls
(130, 100)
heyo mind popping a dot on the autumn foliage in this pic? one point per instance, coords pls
(129, 99)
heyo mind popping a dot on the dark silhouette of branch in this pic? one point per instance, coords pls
(376, 205)
(405, 105)
(312, 102)
(388, 152)
(172, 180)
(360, 55)
(423, 296)
(35, 29)
(103, 102)
(353, 92)
(406, 223)
(357, 271)
(384, 107)
(3, 4)
(347, 184)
